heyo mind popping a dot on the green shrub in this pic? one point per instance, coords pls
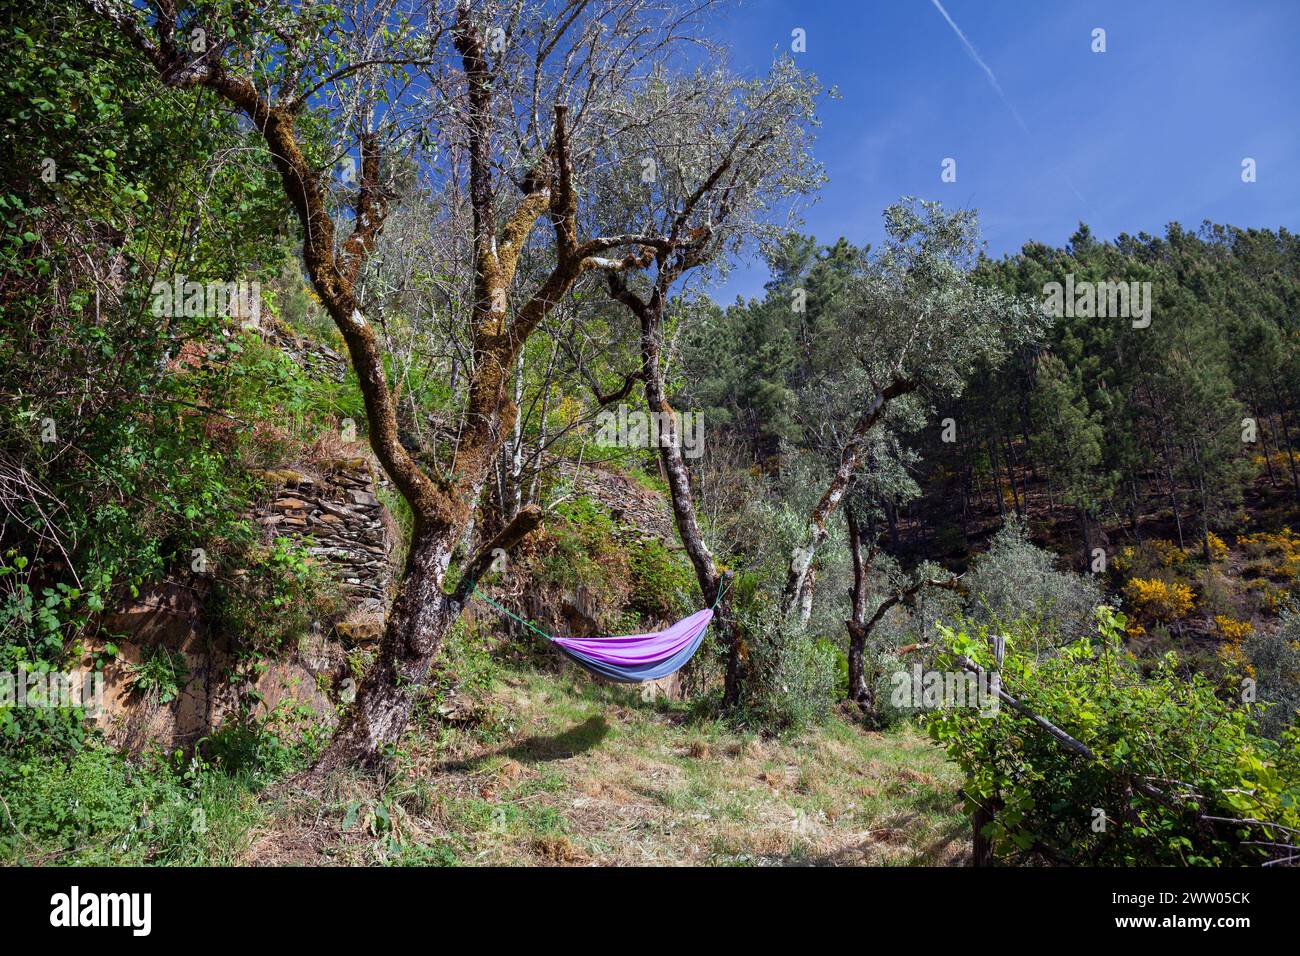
(1015, 581)
(263, 748)
(887, 669)
(90, 805)
(74, 802)
(160, 676)
(790, 676)
(579, 548)
(268, 385)
(661, 581)
(272, 597)
(97, 807)
(1275, 659)
(1165, 731)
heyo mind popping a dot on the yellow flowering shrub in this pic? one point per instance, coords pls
(1218, 550)
(1264, 544)
(1148, 557)
(1167, 552)
(1275, 599)
(1158, 599)
(1271, 598)
(1232, 630)
(1274, 555)
(1233, 658)
(1279, 459)
(1231, 653)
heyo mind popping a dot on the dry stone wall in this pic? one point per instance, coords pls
(334, 507)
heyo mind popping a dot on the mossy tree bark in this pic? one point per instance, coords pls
(442, 506)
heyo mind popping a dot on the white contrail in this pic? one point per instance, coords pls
(974, 55)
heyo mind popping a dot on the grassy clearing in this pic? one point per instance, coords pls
(545, 770)
(523, 768)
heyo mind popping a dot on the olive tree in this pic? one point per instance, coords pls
(914, 323)
(506, 103)
(720, 161)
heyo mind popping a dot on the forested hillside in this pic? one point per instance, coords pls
(363, 372)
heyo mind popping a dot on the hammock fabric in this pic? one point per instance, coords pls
(632, 658)
(639, 657)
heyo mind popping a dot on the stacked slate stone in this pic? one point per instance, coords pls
(338, 512)
(319, 361)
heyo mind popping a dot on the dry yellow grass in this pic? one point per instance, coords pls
(568, 772)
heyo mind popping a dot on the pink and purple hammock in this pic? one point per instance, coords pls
(635, 657)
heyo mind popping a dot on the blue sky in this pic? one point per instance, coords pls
(1151, 131)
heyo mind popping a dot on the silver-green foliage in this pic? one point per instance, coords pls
(792, 675)
(1016, 581)
(1275, 657)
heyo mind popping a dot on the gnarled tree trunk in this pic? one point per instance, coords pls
(419, 620)
(859, 692)
(860, 626)
(650, 315)
(802, 555)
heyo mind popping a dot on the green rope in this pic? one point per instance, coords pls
(726, 582)
(510, 614)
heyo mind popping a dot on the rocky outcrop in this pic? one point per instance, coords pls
(333, 508)
(169, 616)
(317, 360)
(635, 509)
